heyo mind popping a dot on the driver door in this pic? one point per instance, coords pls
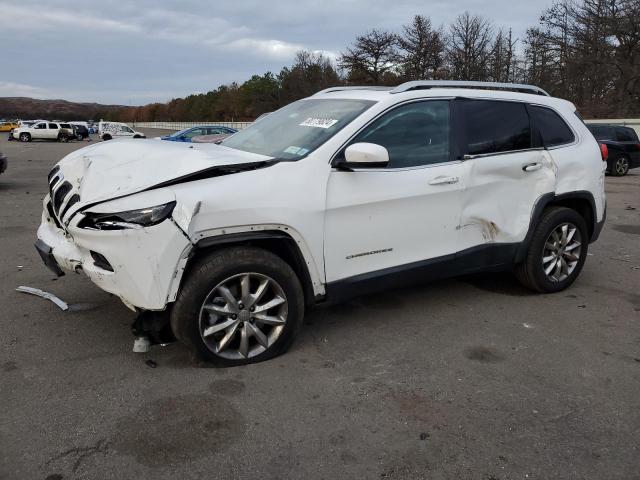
(402, 215)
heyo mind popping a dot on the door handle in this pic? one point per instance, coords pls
(532, 167)
(443, 180)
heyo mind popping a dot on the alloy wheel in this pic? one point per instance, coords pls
(243, 316)
(561, 252)
(622, 166)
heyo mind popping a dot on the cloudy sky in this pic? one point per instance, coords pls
(136, 52)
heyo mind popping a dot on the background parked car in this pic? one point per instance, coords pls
(41, 130)
(210, 138)
(187, 134)
(7, 126)
(67, 132)
(3, 162)
(110, 130)
(623, 145)
(80, 131)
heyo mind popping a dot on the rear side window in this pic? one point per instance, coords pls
(53, 126)
(626, 135)
(494, 126)
(553, 129)
(601, 132)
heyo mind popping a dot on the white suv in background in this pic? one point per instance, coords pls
(41, 130)
(350, 191)
(111, 130)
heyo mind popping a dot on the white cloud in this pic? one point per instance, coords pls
(10, 89)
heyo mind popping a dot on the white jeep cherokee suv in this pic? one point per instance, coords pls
(350, 191)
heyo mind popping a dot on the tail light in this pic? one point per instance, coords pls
(604, 151)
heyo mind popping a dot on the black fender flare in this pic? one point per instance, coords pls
(290, 252)
(549, 199)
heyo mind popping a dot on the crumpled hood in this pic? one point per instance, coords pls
(121, 167)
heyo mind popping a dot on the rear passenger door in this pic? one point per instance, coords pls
(506, 170)
(52, 131)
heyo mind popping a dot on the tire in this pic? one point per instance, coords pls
(228, 269)
(79, 137)
(25, 137)
(106, 137)
(539, 258)
(619, 167)
(63, 138)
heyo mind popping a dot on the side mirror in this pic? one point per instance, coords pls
(364, 155)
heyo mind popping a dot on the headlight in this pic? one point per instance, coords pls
(145, 217)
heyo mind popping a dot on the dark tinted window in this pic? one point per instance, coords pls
(552, 127)
(53, 126)
(494, 126)
(601, 132)
(414, 134)
(624, 134)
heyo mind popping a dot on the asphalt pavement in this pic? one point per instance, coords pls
(470, 378)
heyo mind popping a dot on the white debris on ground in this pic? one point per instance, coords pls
(41, 293)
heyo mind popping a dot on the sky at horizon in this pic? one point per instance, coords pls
(133, 53)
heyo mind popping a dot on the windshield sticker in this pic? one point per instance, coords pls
(303, 151)
(293, 150)
(319, 122)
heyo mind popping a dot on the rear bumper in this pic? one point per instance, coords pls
(143, 261)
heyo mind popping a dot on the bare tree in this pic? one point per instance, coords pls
(502, 59)
(373, 55)
(469, 46)
(422, 49)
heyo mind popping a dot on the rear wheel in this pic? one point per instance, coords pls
(620, 166)
(556, 253)
(239, 305)
(25, 137)
(106, 137)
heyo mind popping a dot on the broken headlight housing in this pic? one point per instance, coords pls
(144, 217)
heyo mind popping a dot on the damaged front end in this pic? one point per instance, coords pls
(118, 225)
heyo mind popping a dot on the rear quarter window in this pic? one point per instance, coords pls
(552, 128)
(624, 134)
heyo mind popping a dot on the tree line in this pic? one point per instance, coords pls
(586, 51)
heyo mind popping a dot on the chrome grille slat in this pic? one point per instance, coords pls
(75, 198)
(59, 195)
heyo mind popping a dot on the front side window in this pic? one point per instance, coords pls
(41, 126)
(552, 128)
(194, 133)
(414, 134)
(495, 126)
(296, 130)
(126, 129)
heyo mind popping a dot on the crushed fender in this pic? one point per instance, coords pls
(41, 293)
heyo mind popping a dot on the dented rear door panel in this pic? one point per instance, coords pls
(500, 195)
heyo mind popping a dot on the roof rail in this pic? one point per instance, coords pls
(426, 84)
(339, 89)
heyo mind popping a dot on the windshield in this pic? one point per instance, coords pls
(297, 129)
(181, 132)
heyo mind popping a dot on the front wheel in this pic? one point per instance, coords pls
(63, 138)
(25, 137)
(239, 305)
(557, 251)
(620, 166)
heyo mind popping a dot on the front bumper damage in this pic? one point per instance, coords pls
(143, 261)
